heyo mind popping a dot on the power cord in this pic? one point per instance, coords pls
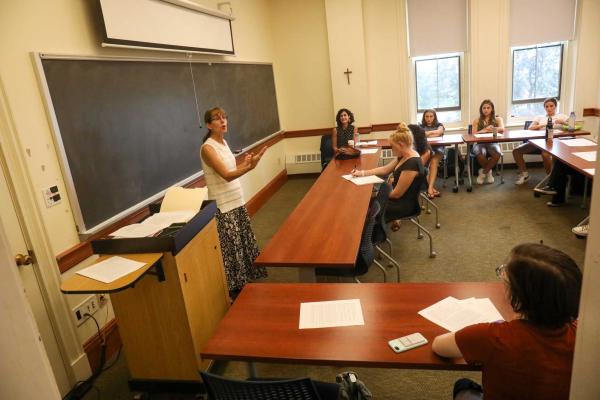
(82, 387)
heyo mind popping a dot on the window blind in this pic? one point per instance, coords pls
(541, 21)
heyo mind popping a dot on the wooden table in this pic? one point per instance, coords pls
(262, 324)
(509, 136)
(325, 229)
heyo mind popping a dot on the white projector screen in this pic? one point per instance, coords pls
(175, 25)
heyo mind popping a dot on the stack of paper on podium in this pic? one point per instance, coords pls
(111, 269)
(453, 314)
(178, 199)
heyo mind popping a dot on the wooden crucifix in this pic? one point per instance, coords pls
(347, 73)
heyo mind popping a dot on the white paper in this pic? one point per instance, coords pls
(363, 180)
(178, 198)
(369, 151)
(435, 139)
(454, 137)
(368, 143)
(170, 217)
(327, 314)
(591, 171)
(153, 224)
(487, 135)
(111, 269)
(136, 230)
(453, 314)
(579, 142)
(586, 155)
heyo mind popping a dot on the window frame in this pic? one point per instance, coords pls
(512, 76)
(459, 57)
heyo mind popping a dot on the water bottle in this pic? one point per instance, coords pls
(356, 139)
(549, 128)
(572, 121)
(470, 129)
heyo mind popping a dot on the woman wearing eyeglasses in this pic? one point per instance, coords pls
(238, 243)
(530, 357)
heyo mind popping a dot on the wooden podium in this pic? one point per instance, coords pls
(167, 310)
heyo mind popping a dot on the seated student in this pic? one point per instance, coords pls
(344, 130)
(406, 179)
(539, 123)
(433, 128)
(486, 122)
(557, 183)
(530, 357)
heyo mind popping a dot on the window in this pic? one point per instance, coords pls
(536, 76)
(438, 86)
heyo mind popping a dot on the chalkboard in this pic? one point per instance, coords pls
(128, 130)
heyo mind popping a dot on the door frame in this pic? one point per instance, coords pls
(74, 358)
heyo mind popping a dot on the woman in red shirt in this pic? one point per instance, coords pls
(530, 357)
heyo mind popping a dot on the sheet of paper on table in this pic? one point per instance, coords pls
(487, 135)
(368, 143)
(363, 180)
(586, 155)
(578, 142)
(111, 269)
(328, 314)
(368, 151)
(453, 314)
(591, 171)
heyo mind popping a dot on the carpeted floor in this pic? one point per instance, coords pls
(478, 230)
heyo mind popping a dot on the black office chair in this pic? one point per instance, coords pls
(527, 125)
(414, 219)
(366, 252)
(220, 388)
(326, 150)
(381, 231)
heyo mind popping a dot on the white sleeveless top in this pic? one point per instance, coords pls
(227, 194)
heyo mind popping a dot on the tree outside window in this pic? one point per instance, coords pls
(438, 87)
(536, 76)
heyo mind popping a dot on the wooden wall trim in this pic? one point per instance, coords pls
(261, 197)
(92, 346)
(76, 254)
(384, 127)
(308, 133)
(591, 112)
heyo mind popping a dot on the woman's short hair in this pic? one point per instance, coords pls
(544, 285)
(339, 113)
(551, 100)
(402, 135)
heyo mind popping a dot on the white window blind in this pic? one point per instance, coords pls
(541, 21)
(176, 25)
(437, 26)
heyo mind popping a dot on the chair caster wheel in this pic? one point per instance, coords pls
(419, 236)
(536, 194)
(438, 226)
(428, 212)
(433, 254)
(469, 189)
(455, 189)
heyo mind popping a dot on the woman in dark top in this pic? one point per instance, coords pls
(344, 130)
(407, 176)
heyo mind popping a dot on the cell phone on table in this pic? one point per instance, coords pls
(407, 342)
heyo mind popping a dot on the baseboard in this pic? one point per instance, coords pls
(93, 347)
(264, 194)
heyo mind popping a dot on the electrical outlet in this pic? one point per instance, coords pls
(51, 196)
(88, 306)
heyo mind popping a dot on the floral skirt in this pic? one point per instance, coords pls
(238, 247)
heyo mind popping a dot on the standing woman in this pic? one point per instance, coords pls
(344, 130)
(486, 123)
(433, 128)
(238, 243)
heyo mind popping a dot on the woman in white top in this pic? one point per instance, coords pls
(238, 243)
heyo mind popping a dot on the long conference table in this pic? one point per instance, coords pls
(325, 229)
(263, 324)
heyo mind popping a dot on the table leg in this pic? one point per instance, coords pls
(585, 190)
(251, 367)
(307, 275)
(456, 169)
(470, 184)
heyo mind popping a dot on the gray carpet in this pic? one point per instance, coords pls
(478, 230)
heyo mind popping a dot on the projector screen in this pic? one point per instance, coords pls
(175, 25)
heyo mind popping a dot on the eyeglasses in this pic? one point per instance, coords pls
(218, 117)
(501, 271)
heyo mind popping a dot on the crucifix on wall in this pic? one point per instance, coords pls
(347, 73)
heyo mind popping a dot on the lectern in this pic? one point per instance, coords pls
(167, 310)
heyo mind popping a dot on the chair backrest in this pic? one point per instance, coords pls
(326, 150)
(527, 124)
(220, 388)
(366, 252)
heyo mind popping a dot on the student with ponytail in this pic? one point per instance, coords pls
(238, 243)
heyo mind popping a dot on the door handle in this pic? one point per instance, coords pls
(23, 259)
